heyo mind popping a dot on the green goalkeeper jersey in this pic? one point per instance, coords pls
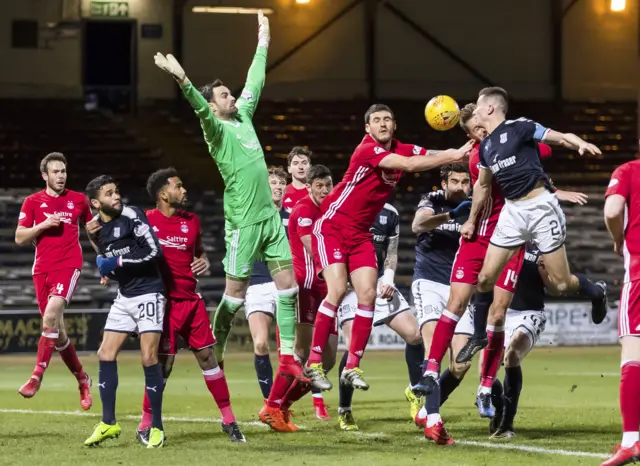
(235, 147)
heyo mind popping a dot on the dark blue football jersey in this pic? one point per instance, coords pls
(529, 294)
(511, 153)
(130, 237)
(385, 227)
(260, 273)
(436, 249)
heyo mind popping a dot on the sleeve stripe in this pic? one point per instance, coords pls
(153, 253)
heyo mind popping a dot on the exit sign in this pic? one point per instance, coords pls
(110, 9)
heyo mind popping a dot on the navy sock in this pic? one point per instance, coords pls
(413, 355)
(108, 384)
(154, 384)
(448, 383)
(512, 389)
(587, 289)
(481, 303)
(346, 392)
(433, 401)
(264, 371)
(497, 399)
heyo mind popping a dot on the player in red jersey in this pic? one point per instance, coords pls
(180, 238)
(312, 289)
(622, 217)
(50, 220)
(298, 163)
(342, 241)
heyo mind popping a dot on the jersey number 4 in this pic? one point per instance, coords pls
(148, 311)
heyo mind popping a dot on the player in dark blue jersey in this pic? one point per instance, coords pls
(437, 223)
(525, 322)
(531, 212)
(390, 309)
(262, 295)
(129, 253)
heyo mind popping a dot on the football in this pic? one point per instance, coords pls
(442, 113)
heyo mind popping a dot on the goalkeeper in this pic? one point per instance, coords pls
(253, 228)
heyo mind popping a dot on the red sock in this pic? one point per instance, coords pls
(323, 325)
(217, 385)
(147, 413)
(629, 399)
(318, 400)
(68, 354)
(360, 333)
(295, 392)
(46, 346)
(442, 336)
(492, 356)
(278, 391)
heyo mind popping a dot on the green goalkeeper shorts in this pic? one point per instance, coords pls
(263, 241)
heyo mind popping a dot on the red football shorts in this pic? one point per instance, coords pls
(629, 310)
(332, 245)
(61, 283)
(308, 303)
(190, 320)
(469, 260)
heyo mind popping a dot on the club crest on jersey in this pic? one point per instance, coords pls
(116, 232)
(70, 205)
(503, 138)
(337, 254)
(378, 150)
(184, 228)
(460, 273)
(383, 220)
(389, 177)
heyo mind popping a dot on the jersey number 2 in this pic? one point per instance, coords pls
(555, 229)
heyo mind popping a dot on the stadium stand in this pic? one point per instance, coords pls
(167, 133)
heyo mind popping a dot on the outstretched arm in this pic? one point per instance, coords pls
(248, 101)
(211, 127)
(424, 163)
(570, 141)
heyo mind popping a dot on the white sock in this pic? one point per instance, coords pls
(433, 419)
(484, 390)
(629, 438)
(422, 414)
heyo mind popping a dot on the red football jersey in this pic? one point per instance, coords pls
(178, 236)
(292, 196)
(356, 201)
(59, 247)
(489, 216)
(301, 222)
(623, 183)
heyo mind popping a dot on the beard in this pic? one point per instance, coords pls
(111, 211)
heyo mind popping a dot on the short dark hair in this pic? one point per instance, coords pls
(377, 108)
(207, 89)
(498, 93)
(52, 157)
(278, 172)
(466, 113)
(158, 180)
(96, 184)
(299, 151)
(317, 172)
(447, 170)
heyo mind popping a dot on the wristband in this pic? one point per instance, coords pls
(388, 277)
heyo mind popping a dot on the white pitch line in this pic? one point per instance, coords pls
(503, 446)
(549, 451)
(129, 416)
